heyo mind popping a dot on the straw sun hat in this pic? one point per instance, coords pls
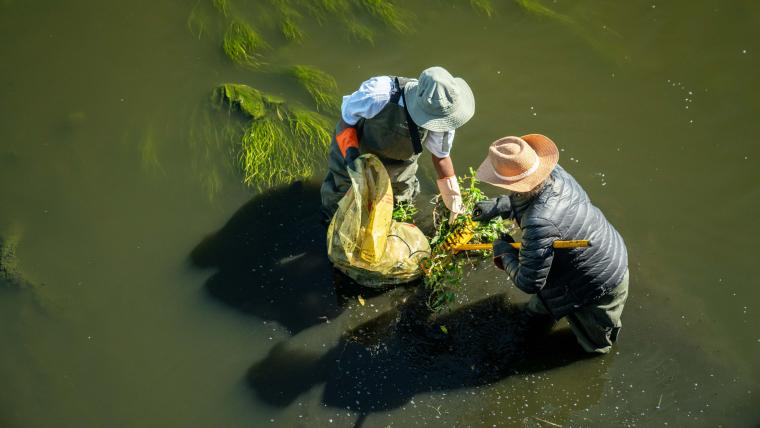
(439, 101)
(519, 164)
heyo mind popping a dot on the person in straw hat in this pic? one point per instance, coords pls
(394, 118)
(588, 286)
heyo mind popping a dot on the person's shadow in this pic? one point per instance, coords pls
(384, 362)
(271, 260)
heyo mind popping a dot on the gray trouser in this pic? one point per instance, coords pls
(598, 325)
(403, 175)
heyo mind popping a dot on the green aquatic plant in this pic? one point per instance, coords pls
(243, 44)
(535, 7)
(282, 142)
(222, 6)
(309, 126)
(263, 154)
(197, 19)
(388, 13)
(212, 139)
(10, 273)
(483, 6)
(149, 153)
(359, 32)
(249, 100)
(404, 212)
(320, 85)
(444, 270)
(290, 30)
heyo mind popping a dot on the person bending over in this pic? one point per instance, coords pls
(394, 118)
(588, 286)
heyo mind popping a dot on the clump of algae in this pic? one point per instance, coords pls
(388, 13)
(282, 142)
(483, 6)
(290, 30)
(320, 85)
(9, 268)
(243, 44)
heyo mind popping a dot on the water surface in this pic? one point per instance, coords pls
(164, 293)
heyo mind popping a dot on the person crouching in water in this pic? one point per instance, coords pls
(394, 118)
(588, 286)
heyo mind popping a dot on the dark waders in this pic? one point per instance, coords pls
(387, 136)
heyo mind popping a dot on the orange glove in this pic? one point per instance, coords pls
(348, 143)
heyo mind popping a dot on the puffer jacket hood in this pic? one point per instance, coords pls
(565, 279)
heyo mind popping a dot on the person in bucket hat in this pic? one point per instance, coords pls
(394, 118)
(588, 286)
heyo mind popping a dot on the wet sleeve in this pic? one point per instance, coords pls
(530, 267)
(371, 97)
(439, 143)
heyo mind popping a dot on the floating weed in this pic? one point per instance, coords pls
(259, 155)
(282, 142)
(359, 32)
(196, 20)
(214, 139)
(310, 127)
(290, 30)
(10, 272)
(535, 7)
(149, 153)
(387, 12)
(321, 8)
(8, 261)
(249, 100)
(222, 6)
(483, 6)
(320, 85)
(243, 44)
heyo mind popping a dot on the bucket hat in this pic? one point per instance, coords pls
(439, 101)
(519, 163)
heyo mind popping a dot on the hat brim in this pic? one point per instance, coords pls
(464, 108)
(548, 156)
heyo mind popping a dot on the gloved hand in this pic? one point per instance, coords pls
(348, 143)
(351, 155)
(502, 247)
(452, 197)
(487, 210)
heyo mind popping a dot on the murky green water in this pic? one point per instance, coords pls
(156, 302)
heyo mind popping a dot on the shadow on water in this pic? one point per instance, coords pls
(384, 362)
(271, 261)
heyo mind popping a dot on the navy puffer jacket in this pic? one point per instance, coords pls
(565, 279)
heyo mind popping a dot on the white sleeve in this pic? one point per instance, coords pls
(439, 143)
(371, 97)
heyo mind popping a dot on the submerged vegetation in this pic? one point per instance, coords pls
(444, 270)
(283, 139)
(320, 85)
(243, 44)
(282, 142)
(9, 268)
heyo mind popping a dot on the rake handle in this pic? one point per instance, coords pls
(576, 243)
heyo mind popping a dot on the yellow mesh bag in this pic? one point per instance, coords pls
(363, 241)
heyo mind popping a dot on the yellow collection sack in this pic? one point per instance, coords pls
(363, 241)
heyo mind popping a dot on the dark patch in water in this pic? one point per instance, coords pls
(385, 362)
(271, 261)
